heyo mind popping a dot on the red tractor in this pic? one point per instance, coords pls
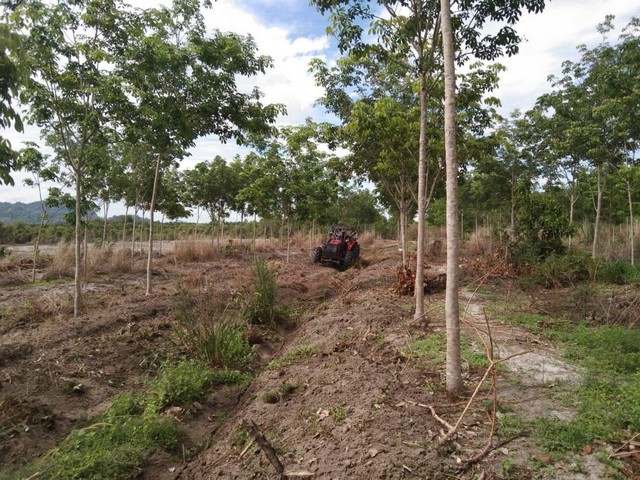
(340, 249)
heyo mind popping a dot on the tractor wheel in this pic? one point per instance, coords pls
(349, 258)
(317, 255)
(355, 250)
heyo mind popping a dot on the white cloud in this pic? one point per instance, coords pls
(551, 38)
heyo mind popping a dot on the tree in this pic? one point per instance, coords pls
(410, 28)
(452, 314)
(14, 76)
(68, 46)
(182, 86)
(32, 160)
(212, 186)
(591, 113)
(291, 178)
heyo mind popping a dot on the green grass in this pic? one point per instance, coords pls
(303, 351)
(432, 348)
(259, 307)
(209, 334)
(429, 347)
(606, 402)
(117, 444)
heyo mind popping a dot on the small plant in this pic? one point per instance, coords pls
(561, 271)
(282, 393)
(619, 272)
(209, 335)
(232, 378)
(181, 383)
(339, 413)
(430, 347)
(290, 358)
(260, 306)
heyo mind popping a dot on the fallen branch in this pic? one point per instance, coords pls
(253, 430)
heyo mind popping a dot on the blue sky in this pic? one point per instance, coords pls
(293, 33)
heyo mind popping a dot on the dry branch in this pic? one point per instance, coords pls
(253, 430)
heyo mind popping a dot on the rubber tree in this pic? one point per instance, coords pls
(592, 102)
(69, 47)
(212, 186)
(182, 85)
(15, 76)
(42, 170)
(411, 28)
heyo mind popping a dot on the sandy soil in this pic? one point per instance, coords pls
(358, 407)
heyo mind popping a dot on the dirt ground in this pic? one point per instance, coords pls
(359, 395)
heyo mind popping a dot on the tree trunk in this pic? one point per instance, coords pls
(154, 194)
(403, 235)
(422, 161)
(253, 239)
(631, 228)
(452, 314)
(133, 232)
(161, 232)
(43, 220)
(124, 225)
(241, 227)
(288, 239)
(104, 225)
(596, 227)
(572, 202)
(77, 276)
(195, 232)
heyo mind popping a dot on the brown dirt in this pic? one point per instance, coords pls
(357, 407)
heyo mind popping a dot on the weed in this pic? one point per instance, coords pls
(115, 446)
(209, 335)
(510, 425)
(339, 413)
(260, 306)
(430, 347)
(618, 272)
(232, 378)
(508, 466)
(303, 351)
(271, 397)
(561, 270)
(181, 383)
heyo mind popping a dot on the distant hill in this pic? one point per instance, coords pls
(28, 213)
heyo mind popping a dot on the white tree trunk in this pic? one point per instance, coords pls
(631, 227)
(596, 227)
(452, 313)
(77, 276)
(422, 160)
(154, 194)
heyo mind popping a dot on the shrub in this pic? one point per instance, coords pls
(561, 271)
(619, 272)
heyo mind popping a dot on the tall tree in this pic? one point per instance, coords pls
(452, 314)
(69, 48)
(14, 76)
(182, 84)
(411, 28)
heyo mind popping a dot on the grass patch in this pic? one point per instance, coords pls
(433, 348)
(618, 272)
(117, 445)
(303, 351)
(209, 334)
(259, 307)
(430, 347)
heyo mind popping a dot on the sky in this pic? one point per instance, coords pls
(292, 33)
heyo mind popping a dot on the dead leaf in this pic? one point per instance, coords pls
(586, 450)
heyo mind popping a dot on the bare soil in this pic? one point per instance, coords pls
(359, 391)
